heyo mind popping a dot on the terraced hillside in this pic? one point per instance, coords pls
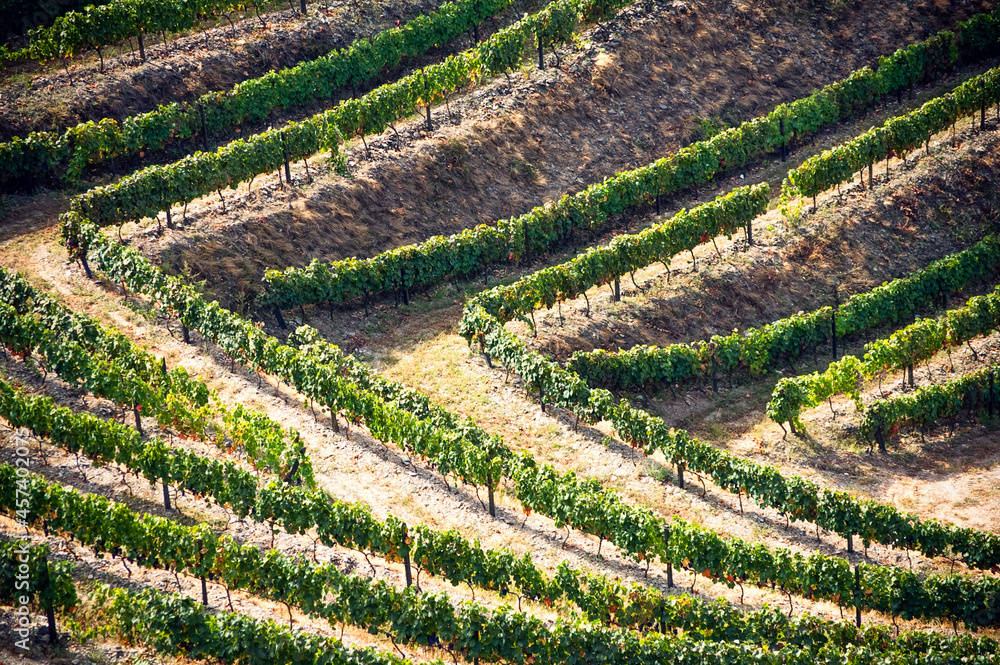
(579, 332)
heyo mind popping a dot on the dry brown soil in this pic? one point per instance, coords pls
(934, 207)
(631, 92)
(41, 98)
(631, 98)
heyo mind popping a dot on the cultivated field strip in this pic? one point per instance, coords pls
(898, 135)
(975, 392)
(902, 349)
(110, 23)
(482, 325)
(337, 523)
(644, 534)
(575, 615)
(546, 226)
(66, 155)
(155, 189)
(757, 351)
(154, 542)
(172, 623)
(106, 363)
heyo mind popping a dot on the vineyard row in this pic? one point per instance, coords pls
(105, 363)
(632, 529)
(897, 136)
(902, 349)
(756, 351)
(252, 101)
(154, 189)
(483, 324)
(104, 24)
(540, 229)
(408, 615)
(974, 392)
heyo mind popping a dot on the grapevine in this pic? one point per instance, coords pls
(904, 348)
(635, 530)
(897, 135)
(151, 190)
(467, 252)
(758, 350)
(323, 590)
(106, 363)
(482, 324)
(89, 143)
(974, 392)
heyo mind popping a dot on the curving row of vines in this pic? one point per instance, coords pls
(536, 231)
(756, 351)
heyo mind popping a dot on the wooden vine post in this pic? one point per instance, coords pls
(405, 550)
(201, 560)
(670, 566)
(527, 244)
(284, 150)
(86, 266)
(833, 332)
(427, 90)
(833, 321)
(982, 109)
(489, 492)
(277, 314)
(46, 593)
(992, 397)
(715, 375)
(402, 283)
(857, 594)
